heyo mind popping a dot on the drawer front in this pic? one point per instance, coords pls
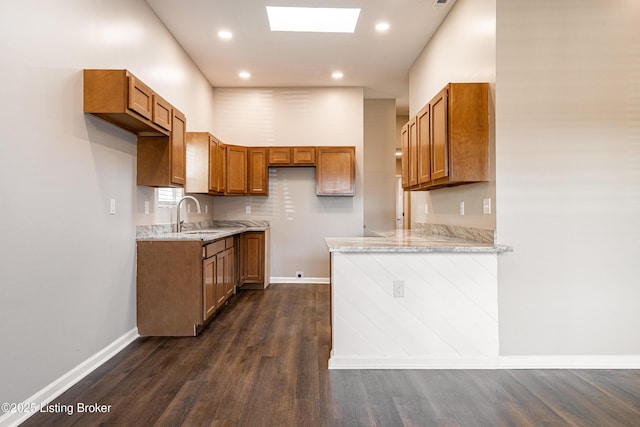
(279, 156)
(213, 248)
(228, 242)
(304, 156)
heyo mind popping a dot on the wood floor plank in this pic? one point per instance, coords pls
(262, 361)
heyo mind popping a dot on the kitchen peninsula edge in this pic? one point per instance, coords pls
(412, 299)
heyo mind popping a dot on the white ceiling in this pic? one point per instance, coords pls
(377, 62)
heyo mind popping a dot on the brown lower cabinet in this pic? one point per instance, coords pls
(181, 284)
(254, 260)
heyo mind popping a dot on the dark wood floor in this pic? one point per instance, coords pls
(263, 362)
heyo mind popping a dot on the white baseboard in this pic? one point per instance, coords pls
(502, 362)
(569, 362)
(410, 363)
(303, 280)
(68, 380)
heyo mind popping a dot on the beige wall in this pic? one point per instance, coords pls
(299, 219)
(568, 176)
(380, 164)
(462, 50)
(68, 267)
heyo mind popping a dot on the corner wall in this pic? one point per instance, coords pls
(67, 267)
(568, 177)
(462, 50)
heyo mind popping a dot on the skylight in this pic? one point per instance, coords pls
(313, 19)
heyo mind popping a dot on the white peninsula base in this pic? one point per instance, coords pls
(447, 318)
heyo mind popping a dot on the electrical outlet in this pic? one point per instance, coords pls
(248, 209)
(146, 207)
(426, 209)
(486, 206)
(112, 207)
(398, 288)
(299, 274)
(461, 208)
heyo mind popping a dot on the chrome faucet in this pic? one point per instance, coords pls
(178, 222)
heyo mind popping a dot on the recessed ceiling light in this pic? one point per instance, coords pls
(337, 75)
(225, 35)
(313, 19)
(244, 74)
(382, 26)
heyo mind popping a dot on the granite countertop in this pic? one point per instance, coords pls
(411, 241)
(205, 231)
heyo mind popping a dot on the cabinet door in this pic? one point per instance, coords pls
(161, 112)
(222, 167)
(404, 137)
(178, 147)
(209, 286)
(140, 98)
(230, 272)
(304, 156)
(424, 145)
(439, 136)
(252, 257)
(335, 171)
(214, 167)
(221, 271)
(279, 156)
(236, 170)
(258, 174)
(413, 153)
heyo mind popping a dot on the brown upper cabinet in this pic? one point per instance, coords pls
(258, 173)
(236, 170)
(404, 138)
(304, 156)
(335, 171)
(203, 164)
(119, 97)
(161, 159)
(279, 156)
(456, 121)
(292, 156)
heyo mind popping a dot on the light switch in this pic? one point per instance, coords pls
(426, 209)
(146, 207)
(248, 209)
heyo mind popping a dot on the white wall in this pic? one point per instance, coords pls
(568, 176)
(380, 164)
(299, 219)
(67, 267)
(462, 50)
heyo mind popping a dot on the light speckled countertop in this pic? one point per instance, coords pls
(408, 241)
(206, 231)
